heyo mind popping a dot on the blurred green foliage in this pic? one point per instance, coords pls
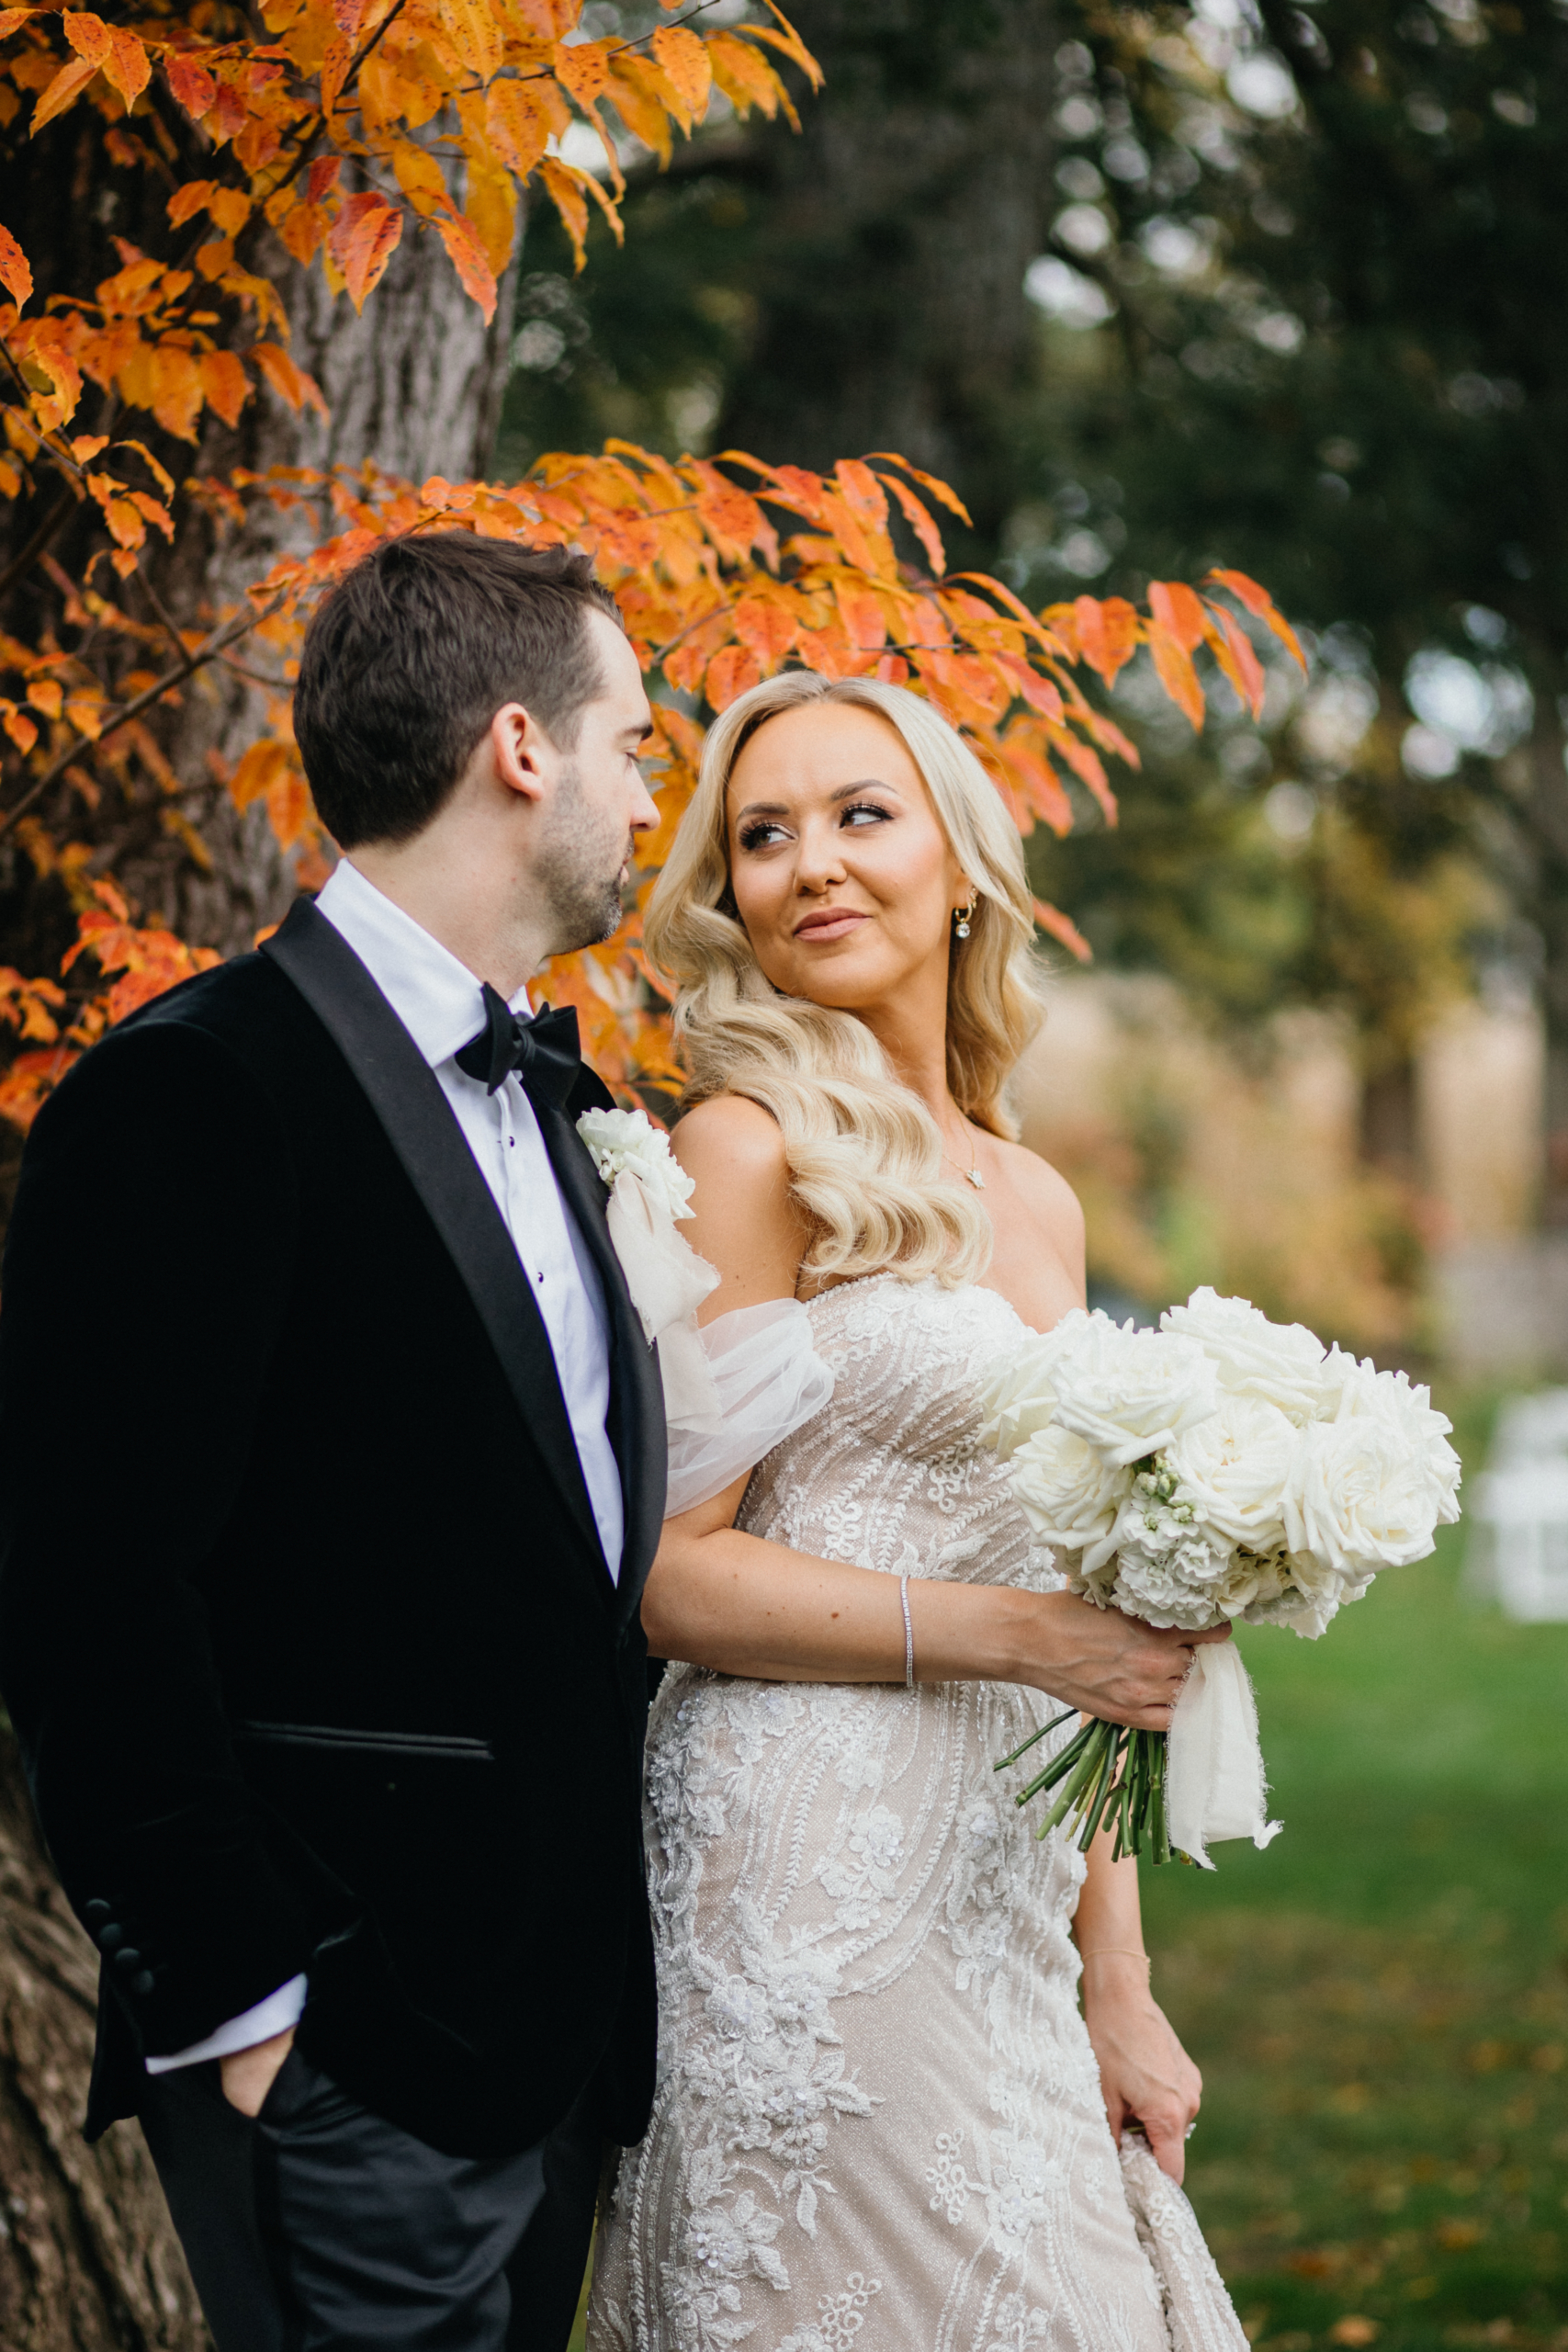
(1378, 2002)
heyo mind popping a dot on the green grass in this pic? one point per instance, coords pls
(1380, 2002)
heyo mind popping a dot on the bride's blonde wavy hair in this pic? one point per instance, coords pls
(863, 1153)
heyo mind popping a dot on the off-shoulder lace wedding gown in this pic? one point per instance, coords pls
(879, 2119)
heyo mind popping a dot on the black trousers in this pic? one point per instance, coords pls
(319, 2227)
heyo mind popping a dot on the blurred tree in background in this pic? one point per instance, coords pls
(1158, 287)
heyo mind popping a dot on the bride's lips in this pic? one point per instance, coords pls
(830, 922)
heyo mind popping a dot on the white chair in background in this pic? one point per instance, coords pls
(1517, 1512)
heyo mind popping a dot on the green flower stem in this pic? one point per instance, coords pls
(1129, 1803)
(1060, 1764)
(1028, 1743)
(1082, 1777)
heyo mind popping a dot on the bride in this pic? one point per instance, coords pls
(881, 2120)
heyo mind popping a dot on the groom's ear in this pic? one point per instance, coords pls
(519, 752)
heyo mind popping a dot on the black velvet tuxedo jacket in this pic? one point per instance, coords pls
(305, 1627)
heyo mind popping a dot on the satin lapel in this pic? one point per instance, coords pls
(403, 1092)
(637, 1392)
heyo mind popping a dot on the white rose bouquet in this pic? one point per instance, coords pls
(1222, 1467)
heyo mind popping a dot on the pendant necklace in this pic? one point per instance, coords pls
(973, 1174)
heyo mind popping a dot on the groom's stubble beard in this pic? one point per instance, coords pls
(577, 869)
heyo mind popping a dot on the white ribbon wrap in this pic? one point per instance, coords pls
(668, 1282)
(1216, 1787)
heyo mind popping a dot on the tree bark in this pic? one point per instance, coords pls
(900, 223)
(88, 2261)
(88, 2258)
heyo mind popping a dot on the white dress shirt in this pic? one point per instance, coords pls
(439, 1003)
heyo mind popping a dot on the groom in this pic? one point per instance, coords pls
(332, 1464)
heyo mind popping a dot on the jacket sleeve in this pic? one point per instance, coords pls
(145, 1274)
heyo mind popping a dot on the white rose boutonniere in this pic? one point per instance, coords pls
(668, 1282)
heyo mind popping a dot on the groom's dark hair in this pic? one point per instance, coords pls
(414, 653)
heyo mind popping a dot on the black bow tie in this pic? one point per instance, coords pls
(543, 1049)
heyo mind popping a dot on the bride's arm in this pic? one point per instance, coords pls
(718, 1598)
(1144, 2071)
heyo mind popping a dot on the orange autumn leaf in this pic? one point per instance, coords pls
(15, 272)
(1237, 658)
(519, 125)
(732, 670)
(1108, 633)
(582, 69)
(1173, 666)
(687, 67)
(364, 238)
(921, 522)
(89, 34)
(177, 391)
(475, 34)
(469, 259)
(63, 91)
(1260, 601)
(1062, 928)
(289, 383)
(565, 195)
(224, 384)
(127, 68)
(1180, 610)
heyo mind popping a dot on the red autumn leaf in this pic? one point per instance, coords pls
(191, 85)
(362, 241)
(15, 274)
(322, 178)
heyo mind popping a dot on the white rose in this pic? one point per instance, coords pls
(1018, 1395)
(1363, 1497)
(1129, 1392)
(628, 1143)
(1232, 1468)
(1281, 1363)
(1358, 1390)
(1069, 1495)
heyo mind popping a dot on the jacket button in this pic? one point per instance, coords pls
(95, 1912)
(143, 1983)
(128, 1960)
(111, 1938)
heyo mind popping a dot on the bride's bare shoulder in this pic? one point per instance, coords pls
(744, 1221)
(730, 1135)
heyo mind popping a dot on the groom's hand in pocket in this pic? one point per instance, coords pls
(1111, 1665)
(247, 2075)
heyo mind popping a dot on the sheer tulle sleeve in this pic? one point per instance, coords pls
(770, 1379)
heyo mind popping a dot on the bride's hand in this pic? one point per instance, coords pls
(1106, 1664)
(1144, 2073)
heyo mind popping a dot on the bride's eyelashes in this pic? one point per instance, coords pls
(759, 832)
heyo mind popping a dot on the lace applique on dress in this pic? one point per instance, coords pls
(878, 2119)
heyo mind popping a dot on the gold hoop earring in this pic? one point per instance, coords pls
(961, 919)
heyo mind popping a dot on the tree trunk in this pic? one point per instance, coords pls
(88, 2262)
(87, 2256)
(900, 223)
